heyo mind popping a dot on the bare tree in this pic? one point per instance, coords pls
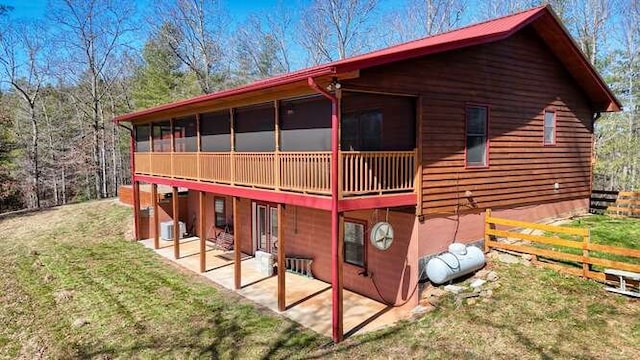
(94, 35)
(23, 65)
(197, 37)
(335, 29)
(420, 18)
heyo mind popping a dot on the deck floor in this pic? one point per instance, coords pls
(308, 300)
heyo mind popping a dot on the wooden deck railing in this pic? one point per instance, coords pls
(305, 171)
(375, 172)
(378, 171)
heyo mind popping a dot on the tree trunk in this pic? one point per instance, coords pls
(34, 155)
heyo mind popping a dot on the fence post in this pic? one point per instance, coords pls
(585, 254)
(487, 227)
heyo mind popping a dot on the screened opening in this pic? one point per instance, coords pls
(549, 127)
(305, 124)
(476, 145)
(142, 133)
(215, 132)
(185, 134)
(255, 128)
(354, 242)
(162, 136)
(372, 122)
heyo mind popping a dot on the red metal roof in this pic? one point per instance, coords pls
(493, 30)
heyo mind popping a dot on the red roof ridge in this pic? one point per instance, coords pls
(533, 10)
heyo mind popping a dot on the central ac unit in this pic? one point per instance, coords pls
(166, 230)
(264, 262)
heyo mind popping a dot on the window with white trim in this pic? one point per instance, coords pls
(476, 136)
(549, 127)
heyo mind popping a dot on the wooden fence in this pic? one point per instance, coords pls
(551, 247)
(600, 200)
(627, 204)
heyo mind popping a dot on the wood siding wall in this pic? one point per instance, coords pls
(517, 78)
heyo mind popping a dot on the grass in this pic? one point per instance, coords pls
(605, 230)
(73, 265)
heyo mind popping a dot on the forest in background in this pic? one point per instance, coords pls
(64, 77)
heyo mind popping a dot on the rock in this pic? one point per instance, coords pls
(48, 278)
(481, 274)
(80, 323)
(469, 295)
(433, 291)
(486, 293)
(525, 262)
(34, 252)
(421, 310)
(508, 258)
(492, 276)
(63, 295)
(434, 300)
(527, 257)
(454, 289)
(477, 283)
(471, 301)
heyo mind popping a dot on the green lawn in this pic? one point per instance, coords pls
(72, 266)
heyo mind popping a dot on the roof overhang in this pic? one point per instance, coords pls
(542, 19)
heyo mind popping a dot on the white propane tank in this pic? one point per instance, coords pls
(459, 260)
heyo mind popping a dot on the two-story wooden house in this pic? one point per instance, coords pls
(423, 136)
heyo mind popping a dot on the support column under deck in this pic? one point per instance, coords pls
(156, 216)
(136, 210)
(236, 246)
(202, 231)
(176, 224)
(282, 301)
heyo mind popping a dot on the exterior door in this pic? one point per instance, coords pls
(266, 234)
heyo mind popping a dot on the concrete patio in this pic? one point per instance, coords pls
(308, 300)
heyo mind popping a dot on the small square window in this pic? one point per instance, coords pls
(549, 127)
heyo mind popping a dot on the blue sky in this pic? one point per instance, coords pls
(35, 9)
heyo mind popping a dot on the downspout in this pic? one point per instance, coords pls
(136, 200)
(336, 302)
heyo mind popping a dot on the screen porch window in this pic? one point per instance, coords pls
(161, 136)
(354, 233)
(476, 134)
(185, 134)
(142, 138)
(220, 213)
(362, 131)
(549, 127)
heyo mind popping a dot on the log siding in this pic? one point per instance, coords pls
(518, 79)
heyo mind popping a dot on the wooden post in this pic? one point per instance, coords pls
(338, 326)
(236, 246)
(417, 180)
(176, 227)
(487, 227)
(172, 146)
(276, 167)
(198, 147)
(282, 298)
(585, 255)
(136, 210)
(232, 142)
(156, 217)
(202, 232)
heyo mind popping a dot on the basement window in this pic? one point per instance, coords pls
(549, 127)
(476, 133)
(354, 252)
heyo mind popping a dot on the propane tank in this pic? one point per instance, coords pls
(459, 260)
